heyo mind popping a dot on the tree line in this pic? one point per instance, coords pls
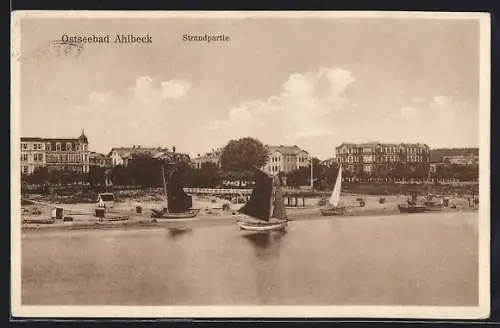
(238, 160)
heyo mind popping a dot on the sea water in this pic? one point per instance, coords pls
(414, 259)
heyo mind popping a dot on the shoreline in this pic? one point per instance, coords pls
(205, 221)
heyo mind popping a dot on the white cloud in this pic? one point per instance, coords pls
(408, 112)
(440, 109)
(130, 113)
(444, 108)
(419, 100)
(174, 89)
(152, 93)
(98, 98)
(301, 110)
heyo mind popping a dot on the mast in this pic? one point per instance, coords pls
(429, 181)
(164, 185)
(273, 191)
(312, 182)
(278, 210)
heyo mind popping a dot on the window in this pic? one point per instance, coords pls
(38, 157)
(24, 146)
(68, 146)
(25, 169)
(58, 146)
(47, 146)
(24, 157)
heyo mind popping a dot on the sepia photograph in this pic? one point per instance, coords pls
(250, 164)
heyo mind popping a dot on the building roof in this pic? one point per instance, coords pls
(107, 196)
(27, 139)
(286, 150)
(93, 154)
(31, 139)
(382, 144)
(438, 154)
(83, 138)
(331, 159)
(127, 151)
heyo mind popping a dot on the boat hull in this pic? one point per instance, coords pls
(411, 209)
(175, 216)
(262, 226)
(331, 211)
(433, 208)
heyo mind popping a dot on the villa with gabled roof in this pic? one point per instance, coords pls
(284, 159)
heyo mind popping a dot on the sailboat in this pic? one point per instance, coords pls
(431, 204)
(267, 216)
(178, 203)
(333, 207)
(411, 206)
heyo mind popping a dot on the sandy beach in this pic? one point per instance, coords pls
(124, 215)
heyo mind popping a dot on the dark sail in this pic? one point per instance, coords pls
(259, 204)
(279, 211)
(178, 200)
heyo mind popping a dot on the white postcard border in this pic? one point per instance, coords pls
(403, 312)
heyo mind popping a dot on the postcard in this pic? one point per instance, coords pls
(250, 164)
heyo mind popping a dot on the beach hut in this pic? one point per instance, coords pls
(106, 200)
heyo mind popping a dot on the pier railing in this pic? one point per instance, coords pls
(210, 191)
(247, 192)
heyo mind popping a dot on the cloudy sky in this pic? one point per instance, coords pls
(309, 82)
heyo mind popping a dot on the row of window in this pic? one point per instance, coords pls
(36, 157)
(371, 158)
(274, 168)
(355, 150)
(79, 168)
(58, 146)
(70, 158)
(290, 159)
(37, 146)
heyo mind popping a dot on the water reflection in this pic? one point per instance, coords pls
(178, 231)
(266, 244)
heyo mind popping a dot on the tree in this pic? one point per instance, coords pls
(207, 176)
(145, 171)
(120, 175)
(243, 154)
(302, 176)
(39, 176)
(96, 175)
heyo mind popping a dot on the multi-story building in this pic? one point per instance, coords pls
(123, 155)
(63, 154)
(374, 157)
(99, 160)
(329, 162)
(470, 160)
(171, 156)
(285, 159)
(210, 157)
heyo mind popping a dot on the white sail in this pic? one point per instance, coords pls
(335, 197)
